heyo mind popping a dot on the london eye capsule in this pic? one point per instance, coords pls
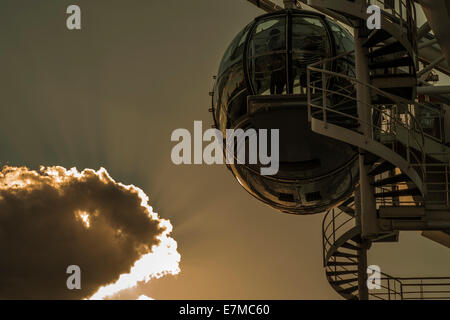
(262, 84)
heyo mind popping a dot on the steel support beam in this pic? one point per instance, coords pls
(427, 43)
(438, 236)
(363, 291)
(430, 67)
(430, 90)
(266, 5)
(290, 4)
(423, 30)
(369, 226)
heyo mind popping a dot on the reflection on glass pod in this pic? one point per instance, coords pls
(262, 84)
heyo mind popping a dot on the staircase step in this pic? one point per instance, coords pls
(350, 246)
(403, 92)
(348, 210)
(341, 272)
(357, 238)
(402, 212)
(391, 63)
(370, 158)
(347, 105)
(388, 49)
(391, 180)
(399, 193)
(381, 168)
(400, 80)
(348, 201)
(341, 282)
(381, 99)
(348, 290)
(345, 254)
(376, 37)
(341, 263)
(390, 237)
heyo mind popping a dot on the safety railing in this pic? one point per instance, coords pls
(390, 288)
(325, 88)
(431, 118)
(425, 288)
(335, 225)
(385, 198)
(402, 13)
(437, 183)
(419, 288)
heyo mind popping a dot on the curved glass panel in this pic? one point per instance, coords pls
(235, 51)
(344, 42)
(308, 179)
(310, 44)
(267, 56)
(300, 197)
(231, 94)
(230, 91)
(342, 38)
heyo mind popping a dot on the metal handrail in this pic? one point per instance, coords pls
(414, 131)
(326, 61)
(405, 12)
(330, 238)
(326, 235)
(391, 288)
(442, 187)
(394, 118)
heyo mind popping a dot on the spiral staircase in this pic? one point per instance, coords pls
(404, 161)
(407, 168)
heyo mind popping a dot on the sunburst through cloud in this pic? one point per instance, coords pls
(55, 217)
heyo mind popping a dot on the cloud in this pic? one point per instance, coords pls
(144, 297)
(54, 217)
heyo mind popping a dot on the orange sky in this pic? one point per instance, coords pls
(111, 94)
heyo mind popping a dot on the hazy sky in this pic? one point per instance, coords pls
(111, 94)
